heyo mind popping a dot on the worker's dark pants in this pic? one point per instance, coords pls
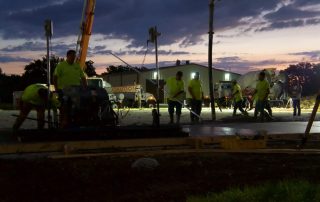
(260, 106)
(196, 106)
(296, 105)
(268, 108)
(174, 104)
(238, 105)
(25, 109)
(65, 110)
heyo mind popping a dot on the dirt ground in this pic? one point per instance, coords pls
(177, 177)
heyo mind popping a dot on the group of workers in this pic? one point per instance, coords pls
(69, 73)
(260, 96)
(36, 96)
(176, 95)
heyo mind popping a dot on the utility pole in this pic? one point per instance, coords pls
(48, 32)
(211, 32)
(153, 38)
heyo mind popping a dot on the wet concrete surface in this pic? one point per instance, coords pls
(273, 128)
(283, 123)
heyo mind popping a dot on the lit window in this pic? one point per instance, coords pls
(154, 75)
(192, 75)
(227, 76)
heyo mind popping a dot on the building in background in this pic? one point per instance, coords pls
(147, 79)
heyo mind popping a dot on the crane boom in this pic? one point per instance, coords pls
(86, 27)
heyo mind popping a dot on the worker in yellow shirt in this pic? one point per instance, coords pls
(196, 93)
(35, 96)
(261, 95)
(175, 87)
(237, 98)
(67, 73)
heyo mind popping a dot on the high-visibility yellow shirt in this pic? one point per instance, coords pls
(30, 94)
(54, 101)
(262, 90)
(238, 95)
(68, 75)
(174, 86)
(195, 85)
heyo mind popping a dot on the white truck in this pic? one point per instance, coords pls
(125, 96)
(99, 82)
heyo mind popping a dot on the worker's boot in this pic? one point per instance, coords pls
(178, 119)
(17, 124)
(171, 119)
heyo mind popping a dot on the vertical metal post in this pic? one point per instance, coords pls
(158, 72)
(48, 33)
(211, 11)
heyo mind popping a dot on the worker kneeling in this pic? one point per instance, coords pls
(35, 96)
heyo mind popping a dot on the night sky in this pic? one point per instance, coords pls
(249, 34)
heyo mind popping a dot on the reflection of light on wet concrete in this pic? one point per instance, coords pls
(251, 129)
(228, 131)
(205, 130)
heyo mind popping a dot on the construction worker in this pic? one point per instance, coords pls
(237, 98)
(175, 87)
(35, 96)
(261, 94)
(296, 90)
(196, 93)
(67, 73)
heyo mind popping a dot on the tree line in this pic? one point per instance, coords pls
(36, 72)
(307, 74)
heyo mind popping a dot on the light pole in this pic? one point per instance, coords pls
(48, 32)
(153, 38)
(211, 32)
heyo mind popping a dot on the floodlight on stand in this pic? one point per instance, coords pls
(153, 38)
(48, 27)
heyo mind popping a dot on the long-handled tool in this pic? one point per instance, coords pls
(310, 122)
(34, 119)
(191, 111)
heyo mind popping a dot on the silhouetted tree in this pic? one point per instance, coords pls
(36, 71)
(308, 75)
(9, 84)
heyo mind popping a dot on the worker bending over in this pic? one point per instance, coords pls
(35, 96)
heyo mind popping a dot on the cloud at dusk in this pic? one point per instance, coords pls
(122, 26)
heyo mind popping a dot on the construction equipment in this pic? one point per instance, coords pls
(126, 96)
(89, 107)
(249, 80)
(85, 33)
